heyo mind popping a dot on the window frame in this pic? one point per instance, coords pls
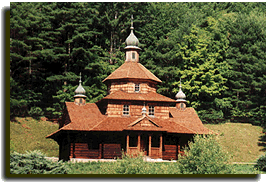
(126, 110)
(133, 55)
(151, 110)
(137, 85)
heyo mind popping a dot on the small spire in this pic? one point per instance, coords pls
(132, 23)
(180, 96)
(80, 90)
(80, 81)
(132, 41)
(143, 110)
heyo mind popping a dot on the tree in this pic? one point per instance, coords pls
(204, 156)
(202, 54)
(247, 76)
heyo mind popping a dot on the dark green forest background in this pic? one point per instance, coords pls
(217, 49)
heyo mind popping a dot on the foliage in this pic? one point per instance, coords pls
(261, 163)
(204, 156)
(35, 163)
(218, 49)
(127, 165)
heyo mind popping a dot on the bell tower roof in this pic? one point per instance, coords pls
(132, 41)
(80, 91)
(180, 96)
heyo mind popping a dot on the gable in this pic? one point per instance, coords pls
(143, 122)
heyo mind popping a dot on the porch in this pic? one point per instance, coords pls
(147, 144)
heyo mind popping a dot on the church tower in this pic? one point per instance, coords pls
(132, 49)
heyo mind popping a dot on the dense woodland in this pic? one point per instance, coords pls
(217, 49)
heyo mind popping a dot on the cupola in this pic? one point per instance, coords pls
(80, 97)
(132, 43)
(180, 96)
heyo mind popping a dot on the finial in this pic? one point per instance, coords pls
(80, 81)
(143, 110)
(132, 23)
(180, 83)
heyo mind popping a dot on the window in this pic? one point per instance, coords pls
(133, 55)
(80, 101)
(151, 110)
(182, 105)
(126, 110)
(137, 87)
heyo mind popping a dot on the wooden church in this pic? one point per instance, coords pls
(132, 118)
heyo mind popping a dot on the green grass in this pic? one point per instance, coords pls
(28, 134)
(240, 140)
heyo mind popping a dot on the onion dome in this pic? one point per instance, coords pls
(180, 96)
(80, 91)
(132, 41)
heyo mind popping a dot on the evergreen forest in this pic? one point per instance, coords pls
(217, 49)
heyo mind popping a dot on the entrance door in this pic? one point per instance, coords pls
(144, 144)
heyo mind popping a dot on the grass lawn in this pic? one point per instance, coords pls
(240, 140)
(28, 134)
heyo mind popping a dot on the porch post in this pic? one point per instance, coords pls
(160, 146)
(139, 142)
(127, 143)
(150, 145)
(100, 150)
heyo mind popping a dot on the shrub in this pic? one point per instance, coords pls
(204, 156)
(261, 163)
(35, 112)
(35, 163)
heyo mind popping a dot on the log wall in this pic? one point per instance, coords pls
(81, 150)
(111, 151)
(170, 152)
(115, 109)
(130, 87)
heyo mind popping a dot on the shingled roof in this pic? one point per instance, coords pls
(150, 96)
(89, 118)
(132, 70)
(189, 119)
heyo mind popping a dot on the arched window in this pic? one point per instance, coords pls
(80, 101)
(126, 110)
(182, 105)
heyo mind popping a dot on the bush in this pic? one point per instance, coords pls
(35, 163)
(261, 163)
(204, 156)
(35, 112)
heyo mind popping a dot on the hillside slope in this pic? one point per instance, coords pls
(27, 134)
(241, 140)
